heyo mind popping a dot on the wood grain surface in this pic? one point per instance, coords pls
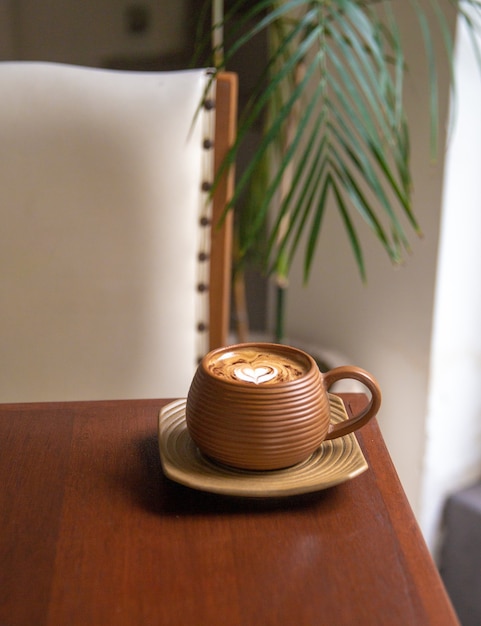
(92, 533)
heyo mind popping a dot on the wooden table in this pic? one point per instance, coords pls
(92, 533)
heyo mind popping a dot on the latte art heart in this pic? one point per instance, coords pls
(256, 366)
(255, 375)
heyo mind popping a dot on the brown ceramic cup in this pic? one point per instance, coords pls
(263, 406)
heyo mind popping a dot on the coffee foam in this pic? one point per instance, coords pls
(256, 366)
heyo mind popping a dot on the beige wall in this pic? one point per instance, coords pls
(385, 326)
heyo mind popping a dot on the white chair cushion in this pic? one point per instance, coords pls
(100, 176)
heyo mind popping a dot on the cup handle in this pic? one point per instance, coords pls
(355, 422)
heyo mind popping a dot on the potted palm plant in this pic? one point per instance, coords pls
(330, 101)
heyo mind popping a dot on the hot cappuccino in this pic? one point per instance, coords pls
(265, 406)
(258, 365)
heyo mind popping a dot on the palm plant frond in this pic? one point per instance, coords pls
(330, 100)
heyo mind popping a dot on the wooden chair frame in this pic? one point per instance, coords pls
(221, 237)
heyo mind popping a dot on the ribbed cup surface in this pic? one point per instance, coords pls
(258, 426)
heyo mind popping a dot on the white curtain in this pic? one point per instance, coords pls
(453, 438)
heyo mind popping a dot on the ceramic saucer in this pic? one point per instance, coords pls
(334, 462)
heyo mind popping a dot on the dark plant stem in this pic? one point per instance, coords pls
(240, 306)
(280, 314)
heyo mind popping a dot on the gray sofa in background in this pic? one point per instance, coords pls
(460, 558)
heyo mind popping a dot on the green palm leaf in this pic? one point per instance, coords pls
(330, 98)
